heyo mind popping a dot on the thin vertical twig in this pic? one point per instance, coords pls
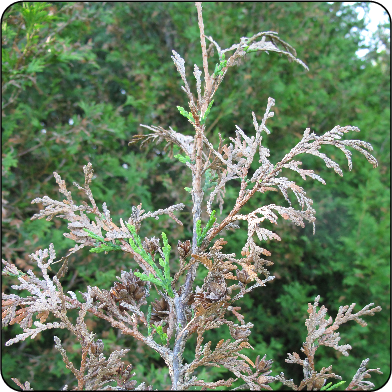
(197, 189)
(205, 57)
(197, 198)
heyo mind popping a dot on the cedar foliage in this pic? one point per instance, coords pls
(95, 121)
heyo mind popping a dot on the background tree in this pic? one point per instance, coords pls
(79, 78)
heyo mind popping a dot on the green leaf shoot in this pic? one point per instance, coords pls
(186, 114)
(328, 387)
(101, 245)
(203, 120)
(93, 235)
(161, 334)
(209, 181)
(183, 159)
(160, 279)
(198, 228)
(219, 67)
(202, 234)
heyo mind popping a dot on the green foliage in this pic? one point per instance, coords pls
(209, 183)
(153, 372)
(204, 118)
(163, 280)
(105, 247)
(35, 15)
(9, 161)
(202, 234)
(183, 159)
(102, 245)
(330, 387)
(186, 114)
(166, 251)
(219, 68)
(161, 334)
(17, 275)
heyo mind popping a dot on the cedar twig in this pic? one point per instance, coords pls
(183, 311)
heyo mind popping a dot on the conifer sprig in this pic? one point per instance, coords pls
(209, 181)
(201, 234)
(203, 120)
(330, 387)
(183, 159)
(160, 279)
(219, 67)
(102, 245)
(186, 114)
(161, 334)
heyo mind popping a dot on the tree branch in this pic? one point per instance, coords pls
(205, 57)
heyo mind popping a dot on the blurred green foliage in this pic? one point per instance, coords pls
(79, 78)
